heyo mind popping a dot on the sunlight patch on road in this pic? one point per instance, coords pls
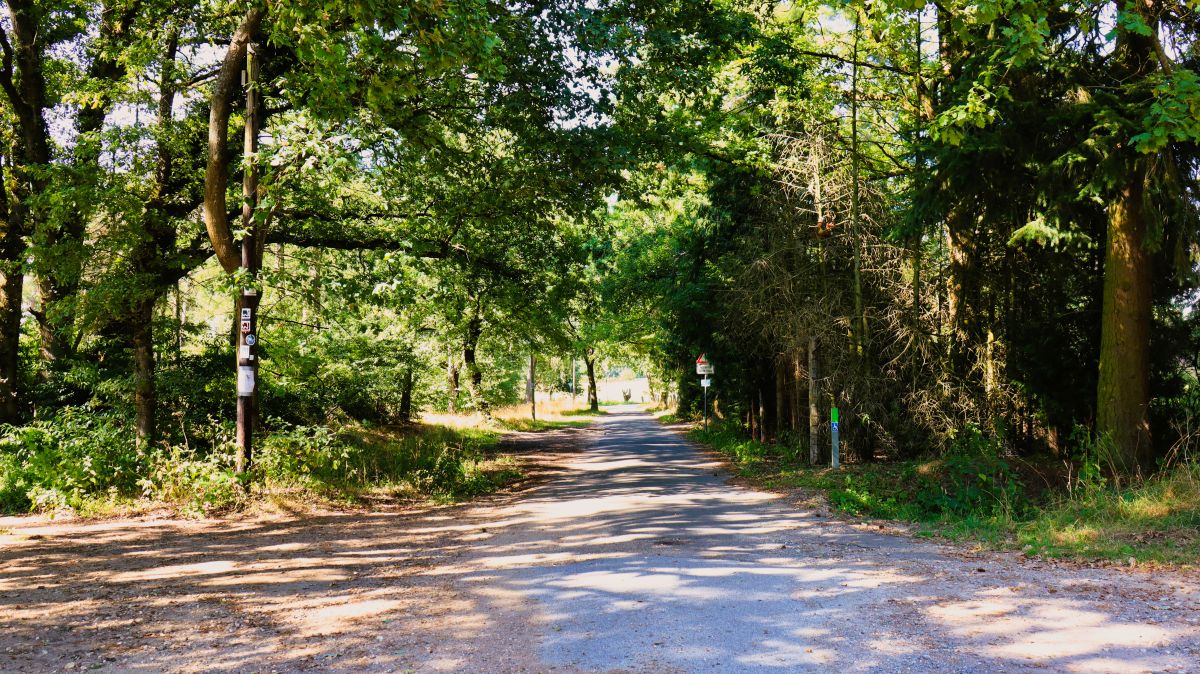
(213, 568)
(1041, 629)
(779, 653)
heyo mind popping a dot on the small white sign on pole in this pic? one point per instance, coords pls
(245, 380)
(706, 382)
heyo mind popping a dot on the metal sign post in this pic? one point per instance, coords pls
(834, 459)
(704, 368)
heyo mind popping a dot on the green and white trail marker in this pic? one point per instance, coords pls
(834, 459)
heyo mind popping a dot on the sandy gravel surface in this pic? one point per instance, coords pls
(629, 552)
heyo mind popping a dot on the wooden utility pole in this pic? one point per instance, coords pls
(247, 376)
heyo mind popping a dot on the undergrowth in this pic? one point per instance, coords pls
(88, 462)
(974, 492)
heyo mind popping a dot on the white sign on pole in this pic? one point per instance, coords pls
(245, 380)
(704, 368)
(706, 382)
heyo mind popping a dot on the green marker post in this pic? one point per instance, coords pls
(834, 459)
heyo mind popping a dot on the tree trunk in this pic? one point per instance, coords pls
(531, 386)
(766, 398)
(180, 317)
(814, 401)
(753, 422)
(474, 374)
(963, 295)
(406, 392)
(452, 382)
(781, 398)
(1123, 388)
(28, 100)
(798, 393)
(145, 396)
(589, 361)
(12, 283)
(859, 321)
(1123, 392)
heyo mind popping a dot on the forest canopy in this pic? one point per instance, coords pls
(945, 220)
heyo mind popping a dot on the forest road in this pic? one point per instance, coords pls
(630, 552)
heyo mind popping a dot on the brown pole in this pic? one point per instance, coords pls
(248, 302)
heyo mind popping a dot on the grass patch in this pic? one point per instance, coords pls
(584, 412)
(424, 461)
(972, 494)
(82, 466)
(539, 425)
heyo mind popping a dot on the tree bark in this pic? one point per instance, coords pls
(1123, 388)
(963, 296)
(531, 386)
(1123, 391)
(474, 374)
(859, 321)
(406, 392)
(27, 97)
(12, 283)
(814, 401)
(451, 382)
(781, 398)
(589, 362)
(145, 395)
(216, 176)
(798, 393)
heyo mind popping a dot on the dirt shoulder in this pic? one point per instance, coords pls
(321, 590)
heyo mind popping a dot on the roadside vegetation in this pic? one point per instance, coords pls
(975, 493)
(972, 230)
(87, 463)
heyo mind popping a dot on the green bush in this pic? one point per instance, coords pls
(201, 484)
(977, 480)
(57, 463)
(433, 460)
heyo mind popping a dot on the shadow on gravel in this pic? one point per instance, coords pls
(632, 555)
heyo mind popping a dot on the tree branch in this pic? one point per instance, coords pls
(216, 177)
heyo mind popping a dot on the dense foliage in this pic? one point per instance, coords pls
(940, 219)
(948, 220)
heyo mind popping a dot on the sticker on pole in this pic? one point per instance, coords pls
(251, 340)
(703, 366)
(245, 327)
(834, 426)
(245, 313)
(245, 380)
(706, 382)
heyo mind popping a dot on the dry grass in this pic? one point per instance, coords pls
(555, 413)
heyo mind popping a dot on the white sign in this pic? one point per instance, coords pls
(246, 313)
(245, 380)
(704, 368)
(245, 354)
(706, 382)
(245, 326)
